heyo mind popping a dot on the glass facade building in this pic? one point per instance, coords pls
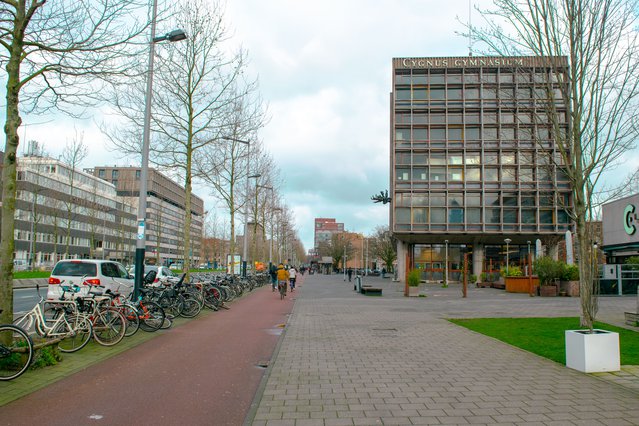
(474, 161)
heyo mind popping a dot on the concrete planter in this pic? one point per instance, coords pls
(595, 352)
(571, 288)
(413, 291)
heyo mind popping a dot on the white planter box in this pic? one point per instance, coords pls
(413, 291)
(592, 352)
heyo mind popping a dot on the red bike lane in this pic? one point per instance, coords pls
(204, 372)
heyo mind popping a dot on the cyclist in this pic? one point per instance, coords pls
(282, 279)
(292, 273)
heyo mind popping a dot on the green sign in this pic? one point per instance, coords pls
(629, 218)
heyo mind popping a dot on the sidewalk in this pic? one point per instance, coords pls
(350, 359)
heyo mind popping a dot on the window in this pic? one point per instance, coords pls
(455, 215)
(473, 200)
(455, 174)
(402, 215)
(473, 158)
(491, 174)
(438, 174)
(115, 174)
(509, 174)
(454, 94)
(437, 159)
(437, 94)
(545, 216)
(473, 215)
(420, 134)
(401, 174)
(420, 215)
(492, 216)
(102, 173)
(437, 134)
(438, 215)
(420, 94)
(402, 95)
(528, 216)
(455, 200)
(455, 134)
(508, 158)
(491, 199)
(455, 159)
(472, 133)
(137, 174)
(473, 174)
(420, 173)
(420, 159)
(509, 199)
(510, 215)
(437, 199)
(402, 134)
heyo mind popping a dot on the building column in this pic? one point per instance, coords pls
(553, 251)
(478, 259)
(402, 250)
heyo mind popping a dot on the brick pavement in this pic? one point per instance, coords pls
(350, 359)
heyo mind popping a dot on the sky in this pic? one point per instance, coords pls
(324, 69)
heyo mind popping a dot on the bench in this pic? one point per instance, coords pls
(632, 318)
(371, 291)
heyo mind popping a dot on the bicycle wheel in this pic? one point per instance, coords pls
(173, 306)
(109, 327)
(168, 322)
(132, 319)
(191, 306)
(16, 351)
(28, 324)
(151, 316)
(79, 331)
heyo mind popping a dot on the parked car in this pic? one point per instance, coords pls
(162, 272)
(176, 266)
(87, 272)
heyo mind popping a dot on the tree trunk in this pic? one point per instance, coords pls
(9, 169)
(187, 209)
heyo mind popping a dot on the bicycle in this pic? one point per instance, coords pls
(281, 286)
(109, 324)
(16, 351)
(73, 329)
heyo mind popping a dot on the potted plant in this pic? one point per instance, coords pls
(472, 279)
(569, 283)
(549, 272)
(414, 279)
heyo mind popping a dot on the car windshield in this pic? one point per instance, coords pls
(75, 269)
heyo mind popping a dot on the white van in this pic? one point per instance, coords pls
(87, 272)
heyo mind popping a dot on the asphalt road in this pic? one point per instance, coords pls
(205, 372)
(25, 298)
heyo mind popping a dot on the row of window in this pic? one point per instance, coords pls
(61, 239)
(423, 94)
(475, 158)
(504, 116)
(479, 215)
(477, 174)
(457, 77)
(460, 133)
(490, 199)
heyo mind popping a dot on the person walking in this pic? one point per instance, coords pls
(273, 273)
(292, 274)
(350, 274)
(282, 279)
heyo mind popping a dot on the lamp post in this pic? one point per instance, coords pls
(528, 258)
(255, 228)
(446, 263)
(248, 164)
(140, 247)
(507, 241)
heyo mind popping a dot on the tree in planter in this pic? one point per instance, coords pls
(513, 271)
(589, 58)
(548, 270)
(414, 278)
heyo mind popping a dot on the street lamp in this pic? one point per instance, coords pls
(507, 241)
(140, 247)
(446, 263)
(248, 164)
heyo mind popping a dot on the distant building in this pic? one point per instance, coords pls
(165, 214)
(325, 228)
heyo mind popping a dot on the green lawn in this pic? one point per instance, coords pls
(21, 275)
(545, 336)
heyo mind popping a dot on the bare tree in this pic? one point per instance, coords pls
(384, 246)
(56, 55)
(589, 51)
(75, 151)
(199, 84)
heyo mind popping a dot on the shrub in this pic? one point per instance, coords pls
(548, 270)
(570, 273)
(46, 356)
(414, 278)
(513, 271)
(473, 278)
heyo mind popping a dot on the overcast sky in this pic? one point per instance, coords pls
(325, 71)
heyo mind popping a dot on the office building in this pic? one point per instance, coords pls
(474, 166)
(165, 213)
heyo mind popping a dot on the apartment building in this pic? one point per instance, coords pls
(165, 212)
(474, 165)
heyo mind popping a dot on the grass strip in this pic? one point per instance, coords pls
(545, 336)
